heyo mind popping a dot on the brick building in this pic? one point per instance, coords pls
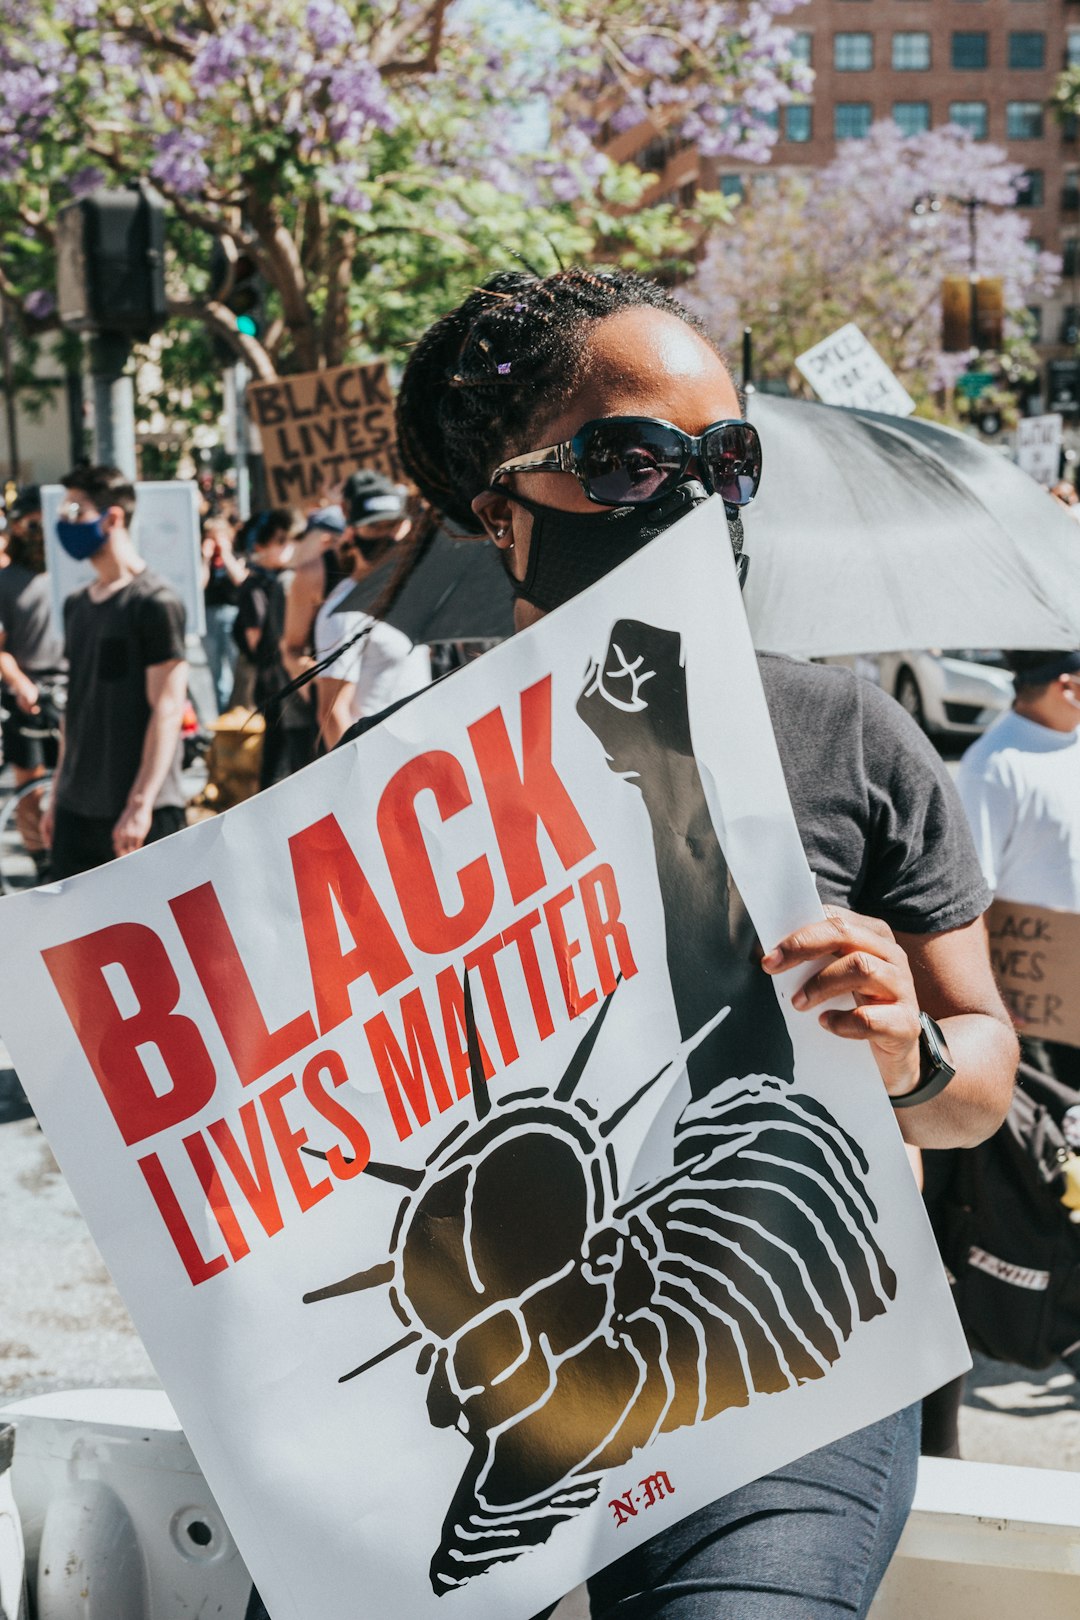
(988, 65)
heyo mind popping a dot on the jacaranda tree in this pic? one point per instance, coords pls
(375, 157)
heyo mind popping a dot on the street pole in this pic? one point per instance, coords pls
(241, 376)
(972, 206)
(114, 402)
(10, 402)
(748, 361)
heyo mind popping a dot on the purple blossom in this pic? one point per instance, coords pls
(329, 25)
(27, 95)
(223, 57)
(179, 165)
(86, 180)
(76, 13)
(358, 99)
(344, 187)
(40, 304)
(120, 53)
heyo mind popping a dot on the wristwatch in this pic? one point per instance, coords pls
(936, 1067)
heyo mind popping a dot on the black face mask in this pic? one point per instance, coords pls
(569, 551)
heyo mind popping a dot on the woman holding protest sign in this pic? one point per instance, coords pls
(573, 418)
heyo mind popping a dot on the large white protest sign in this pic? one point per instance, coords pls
(846, 369)
(483, 1205)
(1037, 443)
(165, 533)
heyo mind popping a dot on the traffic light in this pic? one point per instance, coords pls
(246, 289)
(110, 263)
(959, 333)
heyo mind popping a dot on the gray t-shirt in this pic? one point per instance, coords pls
(24, 618)
(880, 821)
(110, 645)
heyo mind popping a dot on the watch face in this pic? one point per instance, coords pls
(936, 1067)
(935, 1046)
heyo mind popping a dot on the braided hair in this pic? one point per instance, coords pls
(481, 376)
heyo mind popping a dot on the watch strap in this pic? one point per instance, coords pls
(936, 1067)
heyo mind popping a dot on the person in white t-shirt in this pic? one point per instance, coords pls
(1020, 787)
(383, 665)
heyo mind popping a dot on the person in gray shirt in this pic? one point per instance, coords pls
(118, 782)
(31, 666)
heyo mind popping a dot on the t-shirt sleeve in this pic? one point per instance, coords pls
(386, 653)
(161, 625)
(336, 630)
(990, 806)
(922, 874)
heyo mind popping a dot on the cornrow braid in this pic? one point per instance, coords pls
(483, 374)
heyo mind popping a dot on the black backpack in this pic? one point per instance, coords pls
(1006, 1238)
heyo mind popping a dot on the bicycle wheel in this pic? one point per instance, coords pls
(18, 869)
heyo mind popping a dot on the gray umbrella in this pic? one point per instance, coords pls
(875, 533)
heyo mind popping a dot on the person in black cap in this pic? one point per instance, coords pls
(316, 570)
(1020, 787)
(384, 665)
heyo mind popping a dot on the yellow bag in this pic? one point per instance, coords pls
(233, 760)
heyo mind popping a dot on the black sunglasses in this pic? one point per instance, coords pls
(631, 460)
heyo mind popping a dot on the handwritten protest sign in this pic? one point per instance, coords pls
(484, 1207)
(318, 428)
(846, 369)
(1037, 446)
(1035, 953)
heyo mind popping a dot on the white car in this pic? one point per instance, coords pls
(953, 693)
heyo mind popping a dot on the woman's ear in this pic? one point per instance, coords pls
(496, 513)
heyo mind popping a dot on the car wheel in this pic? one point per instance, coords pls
(910, 698)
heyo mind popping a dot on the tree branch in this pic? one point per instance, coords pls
(393, 67)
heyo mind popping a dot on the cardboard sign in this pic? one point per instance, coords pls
(484, 1206)
(165, 533)
(846, 369)
(318, 428)
(1037, 444)
(1035, 955)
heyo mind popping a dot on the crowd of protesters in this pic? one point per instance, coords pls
(102, 703)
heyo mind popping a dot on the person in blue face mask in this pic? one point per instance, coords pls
(118, 780)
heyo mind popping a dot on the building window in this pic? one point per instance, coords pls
(731, 185)
(970, 115)
(1023, 120)
(1072, 47)
(970, 50)
(1070, 192)
(1035, 314)
(802, 46)
(799, 122)
(852, 120)
(1030, 190)
(1027, 50)
(1070, 329)
(853, 53)
(911, 117)
(911, 52)
(1070, 257)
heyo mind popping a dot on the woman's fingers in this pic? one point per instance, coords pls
(873, 978)
(839, 934)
